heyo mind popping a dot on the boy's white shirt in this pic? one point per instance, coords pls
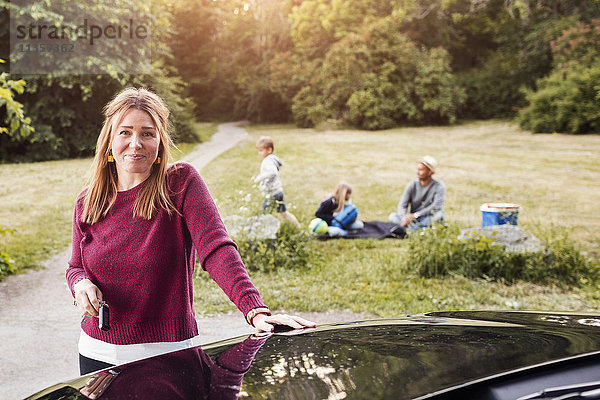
(268, 180)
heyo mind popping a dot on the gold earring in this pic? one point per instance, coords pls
(157, 160)
(110, 158)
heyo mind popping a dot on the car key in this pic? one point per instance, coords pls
(104, 317)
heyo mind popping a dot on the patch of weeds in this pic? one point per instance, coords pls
(289, 250)
(437, 252)
(7, 265)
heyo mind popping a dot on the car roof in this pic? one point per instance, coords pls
(418, 356)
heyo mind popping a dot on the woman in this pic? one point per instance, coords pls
(137, 228)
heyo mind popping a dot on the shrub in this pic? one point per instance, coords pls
(288, 250)
(17, 124)
(567, 101)
(437, 252)
(7, 266)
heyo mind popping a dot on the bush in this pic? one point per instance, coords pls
(11, 111)
(567, 101)
(7, 266)
(437, 252)
(288, 251)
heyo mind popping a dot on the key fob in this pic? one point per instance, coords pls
(104, 317)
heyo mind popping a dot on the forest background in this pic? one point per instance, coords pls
(369, 64)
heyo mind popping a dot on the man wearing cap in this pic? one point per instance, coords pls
(422, 202)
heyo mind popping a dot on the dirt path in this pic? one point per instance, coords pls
(39, 326)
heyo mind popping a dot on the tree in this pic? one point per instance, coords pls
(65, 96)
(379, 79)
(496, 46)
(577, 46)
(224, 50)
(18, 126)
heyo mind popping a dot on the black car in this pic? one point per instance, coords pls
(445, 355)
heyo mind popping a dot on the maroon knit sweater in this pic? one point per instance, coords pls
(144, 268)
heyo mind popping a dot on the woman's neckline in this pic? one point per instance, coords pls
(130, 193)
(133, 187)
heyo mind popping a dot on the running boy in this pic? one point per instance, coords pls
(269, 182)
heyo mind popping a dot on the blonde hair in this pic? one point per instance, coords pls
(101, 191)
(265, 142)
(341, 191)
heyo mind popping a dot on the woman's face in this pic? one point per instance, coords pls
(135, 146)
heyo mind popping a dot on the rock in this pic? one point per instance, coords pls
(512, 237)
(264, 226)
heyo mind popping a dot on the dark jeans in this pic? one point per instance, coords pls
(274, 201)
(87, 365)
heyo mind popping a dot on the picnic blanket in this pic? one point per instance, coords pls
(372, 229)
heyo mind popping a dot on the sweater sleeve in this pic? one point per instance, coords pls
(75, 270)
(435, 198)
(325, 211)
(405, 200)
(227, 373)
(217, 253)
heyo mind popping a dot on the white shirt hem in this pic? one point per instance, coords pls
(118, 354)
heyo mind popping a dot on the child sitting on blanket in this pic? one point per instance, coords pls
(332, 207)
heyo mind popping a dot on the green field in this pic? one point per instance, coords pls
(553, 177)
(550, 176)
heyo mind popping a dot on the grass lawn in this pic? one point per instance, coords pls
(37, 203)
(552, 177)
